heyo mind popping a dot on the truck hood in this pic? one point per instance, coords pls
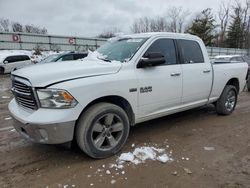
(42, 75)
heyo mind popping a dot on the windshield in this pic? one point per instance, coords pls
(120, 50)
(50, 58)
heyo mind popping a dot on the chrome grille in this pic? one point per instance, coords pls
(23, 94)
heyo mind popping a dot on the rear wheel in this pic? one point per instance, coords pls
(227, 101)
(102, 130)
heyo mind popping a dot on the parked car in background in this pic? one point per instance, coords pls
(11, 62)
(64, 57)
(235, 58)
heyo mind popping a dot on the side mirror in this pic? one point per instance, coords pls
(151, 59)
(5, 62)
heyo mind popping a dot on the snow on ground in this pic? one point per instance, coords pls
(142, 154)
(139, 155)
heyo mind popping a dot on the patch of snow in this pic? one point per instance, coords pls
(127, 157)
(141, 154)
(188, 171)
(5, 97)
(8, 118)
(113, 181)
(95, 55)
(91, 184)
(108, 172)
(209, 148)
(163, 158)
(175, 173)
(133, 145)
(144, 153)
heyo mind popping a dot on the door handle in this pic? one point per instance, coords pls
(175, 74)
(206, 71)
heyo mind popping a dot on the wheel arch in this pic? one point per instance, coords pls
(116, 100)
(234, 82)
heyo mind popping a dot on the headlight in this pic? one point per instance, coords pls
(55, 98)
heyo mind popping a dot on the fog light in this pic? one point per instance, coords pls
(44, 134)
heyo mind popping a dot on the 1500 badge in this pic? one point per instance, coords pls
(146, 89)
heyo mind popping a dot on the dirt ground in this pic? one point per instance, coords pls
(225, 164)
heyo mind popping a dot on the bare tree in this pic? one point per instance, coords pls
(35, 29)
(17, 27)
(173, 22)
(246, 20)
(145, 24)
(109, 33)
(177, 17)
(223, 15)
(4, 25)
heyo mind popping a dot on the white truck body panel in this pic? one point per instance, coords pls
(87, 80)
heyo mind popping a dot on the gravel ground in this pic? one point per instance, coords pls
(207, 151)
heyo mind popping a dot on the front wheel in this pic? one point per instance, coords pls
(227, 101)
(102, 130)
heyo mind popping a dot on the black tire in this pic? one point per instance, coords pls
(1, 70)
(95, 124)
(227, 101)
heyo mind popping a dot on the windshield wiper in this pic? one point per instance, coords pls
(103, 59)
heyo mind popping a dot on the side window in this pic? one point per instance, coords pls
(233, 59)
(191, 51)
(79, 56)
(11, 59)
(16, 58)
(22, 58)
(239, 59)
(66, 58)
(166, 47)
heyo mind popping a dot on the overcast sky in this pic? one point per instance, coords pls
(91, 17)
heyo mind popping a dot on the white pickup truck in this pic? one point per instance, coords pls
(128, 80)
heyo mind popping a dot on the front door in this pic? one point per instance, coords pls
(160, 87)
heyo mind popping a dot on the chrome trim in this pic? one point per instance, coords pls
(24, 93)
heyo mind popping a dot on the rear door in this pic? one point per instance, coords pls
(160, 87)
(197, 74)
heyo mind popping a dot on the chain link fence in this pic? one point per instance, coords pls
(25, 41)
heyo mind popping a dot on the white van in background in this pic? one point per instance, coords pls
(11, 62)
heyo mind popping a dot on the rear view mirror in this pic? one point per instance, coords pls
(5, 62)
(151, 59)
